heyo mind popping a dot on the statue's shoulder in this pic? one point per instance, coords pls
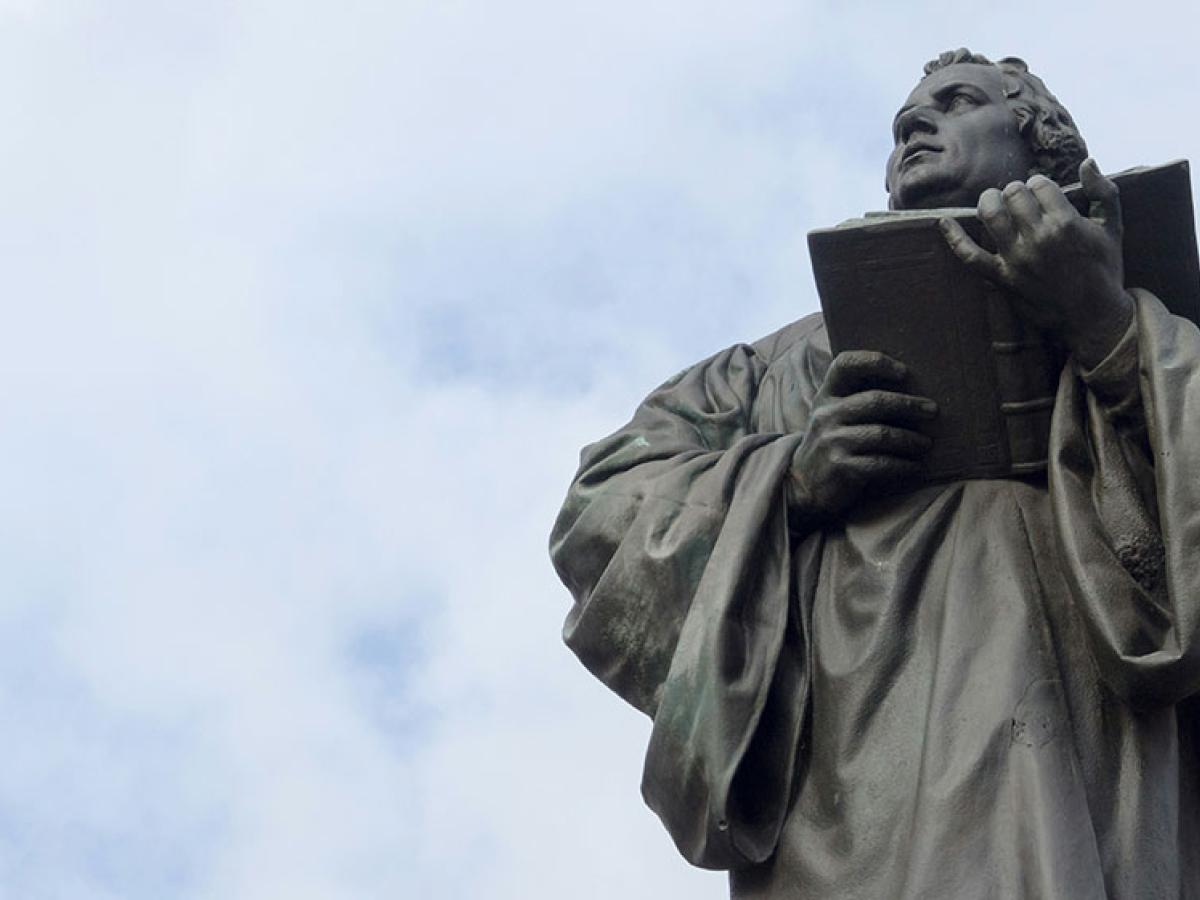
(750, 365)
(799, 335)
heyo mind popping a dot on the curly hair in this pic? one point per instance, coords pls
(1058, 147)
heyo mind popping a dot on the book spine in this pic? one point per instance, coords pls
(1027, 370)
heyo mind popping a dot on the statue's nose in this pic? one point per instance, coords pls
(918, 119)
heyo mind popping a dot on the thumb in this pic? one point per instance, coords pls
(1105, 205)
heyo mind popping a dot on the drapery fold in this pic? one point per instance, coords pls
(674, 541)
(1128, 517)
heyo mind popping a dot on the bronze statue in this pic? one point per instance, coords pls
(868, 686)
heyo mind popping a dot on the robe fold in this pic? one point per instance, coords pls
(980, 689)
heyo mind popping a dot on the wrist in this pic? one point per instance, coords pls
(1107, 323)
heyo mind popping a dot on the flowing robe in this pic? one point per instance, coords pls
(979, 689)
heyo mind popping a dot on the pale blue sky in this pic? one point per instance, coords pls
(308, 309)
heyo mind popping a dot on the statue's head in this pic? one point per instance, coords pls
(972, 124)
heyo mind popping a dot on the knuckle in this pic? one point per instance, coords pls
(1023, 255)
(842, 363)
(991, 209)
(1049, 233)
(827, 391)
(874, 467)
(873, 403)
(850, 467)
(863, 357)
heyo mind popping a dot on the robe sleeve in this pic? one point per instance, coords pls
(674, 543)
(1125, 491)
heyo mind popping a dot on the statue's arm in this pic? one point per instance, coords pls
(1125, 488)
(1115, 384)
(644, 512)
(1124, 467)
(674, 543)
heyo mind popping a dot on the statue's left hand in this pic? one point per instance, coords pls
(1067, 268)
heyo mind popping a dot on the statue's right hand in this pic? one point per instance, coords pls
(860, 434)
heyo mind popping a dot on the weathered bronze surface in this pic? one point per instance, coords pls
(974, 688)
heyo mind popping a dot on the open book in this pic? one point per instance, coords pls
(889, 282)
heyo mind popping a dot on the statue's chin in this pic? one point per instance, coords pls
(927, 191)
(927, 199)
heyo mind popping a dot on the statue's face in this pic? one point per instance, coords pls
(955, 137)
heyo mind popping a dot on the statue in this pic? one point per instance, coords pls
(866, 686)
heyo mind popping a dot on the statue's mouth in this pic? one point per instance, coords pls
(918, 151)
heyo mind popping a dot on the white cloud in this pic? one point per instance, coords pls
(309, 308)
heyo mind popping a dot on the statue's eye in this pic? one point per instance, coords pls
(959, 101)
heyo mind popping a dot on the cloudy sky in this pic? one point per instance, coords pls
(308, 307)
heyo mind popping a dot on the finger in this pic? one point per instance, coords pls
(996, 218)
(972, 255)
(886, 408)
(855, 370)
(1049, 195)
(885, 440)
(1105, 207)
(1022, 206)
